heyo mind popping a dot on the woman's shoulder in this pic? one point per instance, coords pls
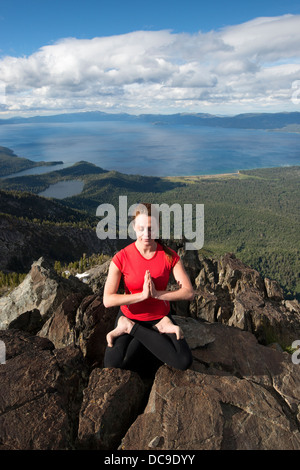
(129, 248)
(121, 257)
(126, 250)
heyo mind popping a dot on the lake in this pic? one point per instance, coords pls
(154, 150)
(63, 189)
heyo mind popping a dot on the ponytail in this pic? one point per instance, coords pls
(168, 252)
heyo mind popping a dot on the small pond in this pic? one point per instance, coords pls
(63, 189)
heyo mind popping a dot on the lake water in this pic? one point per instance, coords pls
(63, 189)
(154, 150)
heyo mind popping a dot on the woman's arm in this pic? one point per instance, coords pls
(185, 292)
(110, 296)
(112, 299)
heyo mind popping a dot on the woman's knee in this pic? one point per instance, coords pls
(112, 359)
(184, 362)
(184, 358)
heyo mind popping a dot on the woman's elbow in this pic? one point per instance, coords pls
(106, 301)
(188, 294)
(191, 295)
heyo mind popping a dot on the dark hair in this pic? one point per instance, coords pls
(150, 210)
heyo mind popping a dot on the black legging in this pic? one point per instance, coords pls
(131, 351)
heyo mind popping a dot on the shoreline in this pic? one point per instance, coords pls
(236, 174)
(217, 175)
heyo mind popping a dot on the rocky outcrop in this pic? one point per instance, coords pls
(112, 401)
(238, 395)
(192, 410)
(23, 241)
(92, 323)
(41, 393)
(36, 299)
(241, 392)
(229, 292)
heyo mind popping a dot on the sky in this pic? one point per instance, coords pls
(149, 57)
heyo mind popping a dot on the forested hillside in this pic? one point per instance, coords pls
(254, 213)
(11, 163)
(256, 216)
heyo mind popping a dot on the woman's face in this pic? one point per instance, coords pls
(146, 228)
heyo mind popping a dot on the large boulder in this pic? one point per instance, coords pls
(33, 302)
(81, 321)
(230, 292)
(111, 402)
(195, 411)
(59, 328)
(95, 277)
(238, 394)
(238, 353)
(269, 320)
(196, 333)
(41, 393)
(92, 323)
(236, 276)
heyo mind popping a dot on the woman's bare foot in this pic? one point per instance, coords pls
(165, 325)
(124, 326)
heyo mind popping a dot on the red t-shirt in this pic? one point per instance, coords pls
(133, 267)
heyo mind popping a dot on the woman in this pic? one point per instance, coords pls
(144, 323)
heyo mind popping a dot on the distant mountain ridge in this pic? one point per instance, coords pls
(240, 121)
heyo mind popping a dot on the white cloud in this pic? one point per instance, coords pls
(246, 67)
(265, 39)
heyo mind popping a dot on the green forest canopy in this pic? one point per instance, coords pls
(254, 213)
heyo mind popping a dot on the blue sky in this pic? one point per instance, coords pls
(26, 25)
(148, 56)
